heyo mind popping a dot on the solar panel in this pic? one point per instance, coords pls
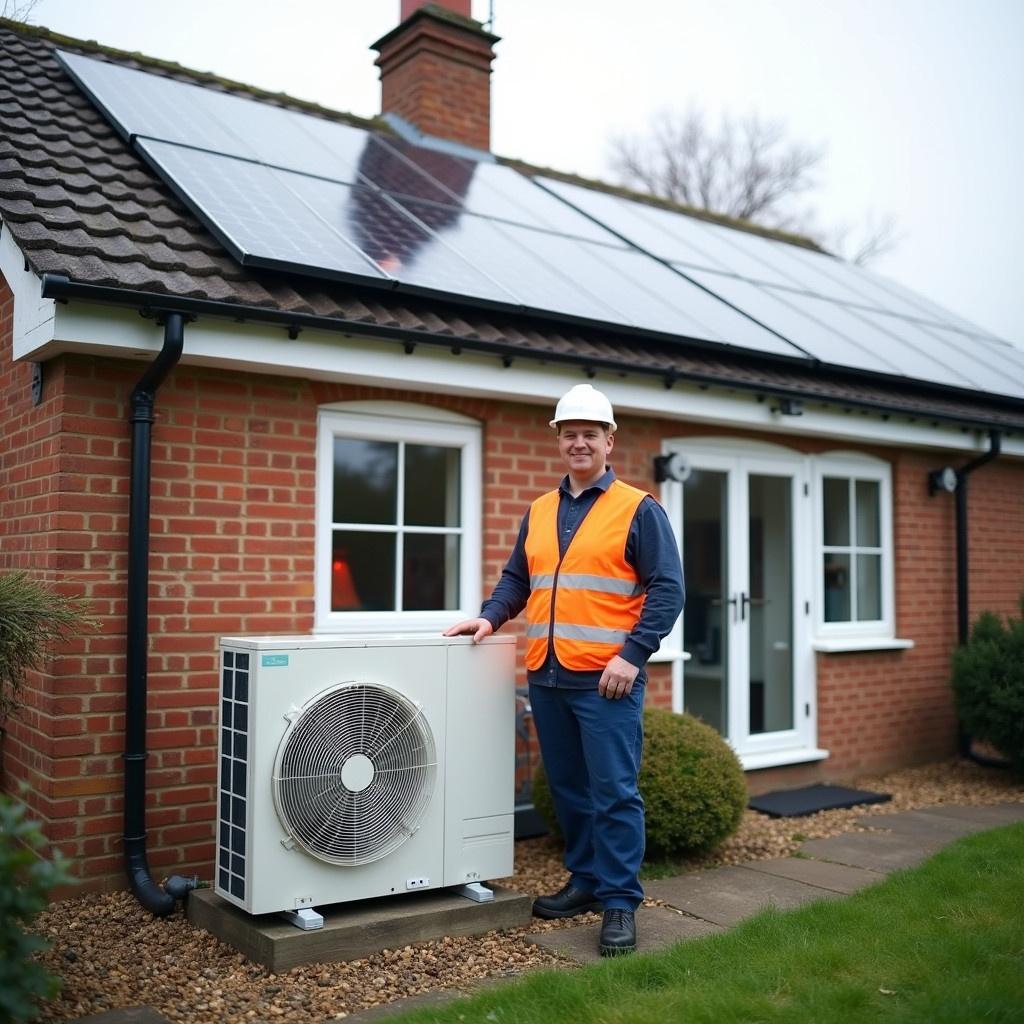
(256, 217)
(292, 191)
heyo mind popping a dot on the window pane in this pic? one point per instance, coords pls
(362, 571)
(837, 588)
(770, 633)
(431, 485)
(707, 620)
(868, 529)
(430, 575)
(836, 494)
(365, 481)
(869, 587)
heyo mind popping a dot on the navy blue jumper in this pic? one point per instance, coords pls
(592, 745)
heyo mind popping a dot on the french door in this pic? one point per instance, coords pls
(744, 530)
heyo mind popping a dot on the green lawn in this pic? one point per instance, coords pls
(940, 944)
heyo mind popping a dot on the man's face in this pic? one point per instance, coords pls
(584, 447)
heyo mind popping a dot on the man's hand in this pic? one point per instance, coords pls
(617, 678)
(478, 627)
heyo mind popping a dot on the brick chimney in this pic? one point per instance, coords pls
(435, 71)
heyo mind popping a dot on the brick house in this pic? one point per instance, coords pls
(308, 408)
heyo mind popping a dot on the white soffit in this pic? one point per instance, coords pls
(327, 355)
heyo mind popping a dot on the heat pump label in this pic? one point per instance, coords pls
(274, 660)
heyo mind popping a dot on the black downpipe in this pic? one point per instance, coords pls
(963, 575)
(149, 894)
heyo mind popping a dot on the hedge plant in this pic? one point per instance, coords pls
(33, 617)
(693, 786)
(988, 685)
(26, 878)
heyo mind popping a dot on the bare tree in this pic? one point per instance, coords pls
(747, 169)
(17, 10)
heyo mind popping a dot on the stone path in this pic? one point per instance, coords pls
(703, 902)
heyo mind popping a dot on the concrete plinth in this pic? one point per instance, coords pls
(354, 930)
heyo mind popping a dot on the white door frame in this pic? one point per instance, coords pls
(739, 459)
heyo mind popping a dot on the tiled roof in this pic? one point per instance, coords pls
(80, 203)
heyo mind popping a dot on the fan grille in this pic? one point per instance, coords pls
(354, 773)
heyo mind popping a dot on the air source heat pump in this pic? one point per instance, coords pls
(353, 768)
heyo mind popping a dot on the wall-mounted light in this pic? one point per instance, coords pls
(789, 407)
(674, 466)
(944, 479)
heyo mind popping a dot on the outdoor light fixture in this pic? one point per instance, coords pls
(674, 466)
(789, 407)
(944, 479)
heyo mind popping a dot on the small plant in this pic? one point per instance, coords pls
(25, 881)
(692, 784)
(988, 684)
(32, 618)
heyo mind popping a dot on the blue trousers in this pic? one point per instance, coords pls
(591, 748)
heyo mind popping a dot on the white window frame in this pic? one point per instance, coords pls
(854, 466)
(415, 424)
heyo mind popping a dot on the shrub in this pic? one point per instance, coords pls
(32, 618)
(25, 880)
(692, 784)
(988, 685)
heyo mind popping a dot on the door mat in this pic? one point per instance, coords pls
(794, 803)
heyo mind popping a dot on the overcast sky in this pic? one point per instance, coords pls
(920, 103)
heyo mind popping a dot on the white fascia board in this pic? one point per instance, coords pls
(328, 355)
(33, 315)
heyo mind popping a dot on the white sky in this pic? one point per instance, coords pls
(920, 103)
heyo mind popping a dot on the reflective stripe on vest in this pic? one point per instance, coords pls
(597, 596)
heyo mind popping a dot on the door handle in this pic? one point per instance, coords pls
(744, 601)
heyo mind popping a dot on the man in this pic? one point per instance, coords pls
(597, 569)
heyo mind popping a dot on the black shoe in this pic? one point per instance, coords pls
(567, 902)
(618, 932)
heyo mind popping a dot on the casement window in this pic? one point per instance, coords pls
(398, 518)
(854, 546)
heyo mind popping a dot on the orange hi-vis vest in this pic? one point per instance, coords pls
(597, 596)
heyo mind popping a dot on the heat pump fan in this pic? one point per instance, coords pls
(355, 773)
(353, 768)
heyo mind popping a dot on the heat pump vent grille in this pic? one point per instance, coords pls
(354, 773)
(234, 773)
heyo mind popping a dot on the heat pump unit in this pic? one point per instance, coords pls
(355, 768)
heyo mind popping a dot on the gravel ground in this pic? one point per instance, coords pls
(112, 953)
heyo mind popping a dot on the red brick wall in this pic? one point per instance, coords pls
(232, 552)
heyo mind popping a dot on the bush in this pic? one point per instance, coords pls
(988, 685)
(692, 784)
(32, 618)
(25, 881)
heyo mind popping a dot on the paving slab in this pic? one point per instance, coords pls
(917, 823)
(354, 930)
(837, 877)
(656, 928)
(876, 851)
(987, 816)
(726, 896)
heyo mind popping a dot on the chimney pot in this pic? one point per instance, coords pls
(462, 7)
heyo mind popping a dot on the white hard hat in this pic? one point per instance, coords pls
(584, 402)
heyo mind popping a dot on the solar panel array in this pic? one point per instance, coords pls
(289, 191)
